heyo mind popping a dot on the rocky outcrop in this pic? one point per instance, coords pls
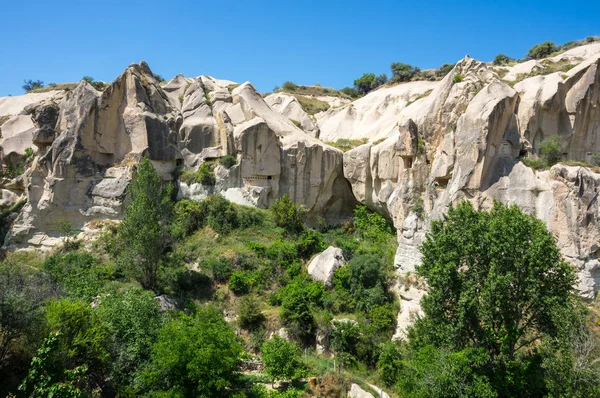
(289, 107)
(322, 267)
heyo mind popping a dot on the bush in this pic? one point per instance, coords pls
(189, 216)
(402, 72)
(194, 356)
(222, 216)
(534, 163)
(250, 314)
(282, 360)
(309, 243)
(595, 159)
(444, 70)
(240, 282)
(369, 82)
(32, 85)
(370, 225)
(457, 78)
(220, 268)
(351, 92)
(550, 150)
(289, 86)
(206, 174)
(542, 50)
(228, 161)
(297, 302)
(288, 215)
(250, 216)
(502, 59)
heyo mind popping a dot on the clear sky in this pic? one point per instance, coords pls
(268, 42)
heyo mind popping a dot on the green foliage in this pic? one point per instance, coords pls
(534, 163)
(502, 59)
(310, 242)
(220, 268)
(344, 338)
(438, 373)
(144, 233)
(250, 314)
(228, 161)
(14, 170)
(205, 175)
(288, 215)
(189, 216)
(240, 282)
(158, 77)
(370, 225)
(369, 82)
(346, 144)
(30, 85)
(595, 159)
(281, 359)
(93, 83)
(402, 72)
(45, 379)
(542, 50)
(222, 216)
(132, 322)
(444, 70)
(457, 78)
(496, 280)
(80, 275)
(299, 300)
(22, 295)
(6, 219)
(389, 363)
(195, 355)
(550, 150)
(311, 105)
(351, 92)
(289, 86)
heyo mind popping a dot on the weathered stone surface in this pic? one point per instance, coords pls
(357, 392)
(322, 267)
(289, 107)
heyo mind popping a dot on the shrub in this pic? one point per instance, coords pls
(402, 72)
(206, 174)
(595, 159)
(249, 216)
(550, 150)
(288, 215)
(282, 360)
(444, 70)
(289, 86)
(194, 356)
(220, 268)
(370, 225)
(32, 85)
(542, 50)
(222, 216)
(240, 283)
(351, 92)
(158, 77)
(312, 105)
(297, 302)
(309, 243)
(189, 216)
(228, 161)
(534, 163)
(250, 314)
(369, 82)
(457, 78)
(502, 59)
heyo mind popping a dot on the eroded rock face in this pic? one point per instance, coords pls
(470, 133)
(322, 267)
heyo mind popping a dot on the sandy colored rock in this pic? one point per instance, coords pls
(322, 267)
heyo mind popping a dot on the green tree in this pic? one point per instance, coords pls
(495, 279)
(194, 356)
(542, 50)
(132, 324)
(502, 59)
(250, 313)
(369, 82)
(298, 300)
(144, 233)
(30, 85)
(288, 215)
(281, 359)
(550, 150)
(403, 72)
(44, 379)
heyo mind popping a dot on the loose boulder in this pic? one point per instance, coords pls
(322, 267)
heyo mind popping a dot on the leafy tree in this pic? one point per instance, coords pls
(144, 231)
(281, 359)
(403, 72)
(496, 279)
(288, 215)
(222, 216)
(444, 70)
(45, 379)
(432, 372)
(550, 150)
(351, 92)
(389, 363)
(298, 300)
(502, 59)
(344, 338)
(82, 340)
(194, 356)
(132, 323)
(369, 82)
(32, 85)
(370, 225)
(542, 50)
(250, 313)
(23, 292)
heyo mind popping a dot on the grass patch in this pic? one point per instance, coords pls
(52, 87)
(232, 86)
(346, 144)
(312, 105)
(317, 91)
(297, 123)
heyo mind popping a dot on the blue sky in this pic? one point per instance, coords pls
(268, 42)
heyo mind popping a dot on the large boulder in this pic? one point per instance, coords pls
(322, 267)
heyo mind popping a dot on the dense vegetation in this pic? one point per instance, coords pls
(173, 300)
(141, 311)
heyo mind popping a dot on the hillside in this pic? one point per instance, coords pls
(366, 179)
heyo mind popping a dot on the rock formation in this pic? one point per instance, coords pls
(322, 267)
(428, 145)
